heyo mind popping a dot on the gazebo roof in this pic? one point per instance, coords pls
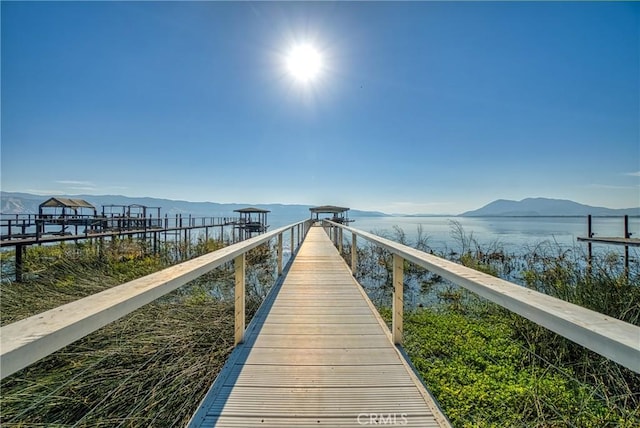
(251, 210)
(328, 209)
(66, 203)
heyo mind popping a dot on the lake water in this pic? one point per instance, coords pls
(513, 233)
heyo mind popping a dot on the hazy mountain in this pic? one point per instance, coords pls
(545, 207)
(25, 203)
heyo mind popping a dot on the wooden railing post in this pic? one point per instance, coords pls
(280, 254)
(397, 309)
(239, 265)
(292, 230)
(340, 240)
(354, 253)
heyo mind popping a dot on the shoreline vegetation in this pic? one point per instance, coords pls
(486, 366)
(151, 367)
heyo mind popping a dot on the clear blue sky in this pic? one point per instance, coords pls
(421, 106)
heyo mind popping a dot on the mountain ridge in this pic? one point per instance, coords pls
(26, 203)
(545, 207)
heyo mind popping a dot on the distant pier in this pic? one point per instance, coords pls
(64, 219)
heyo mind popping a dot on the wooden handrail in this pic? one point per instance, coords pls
(612, 338)
(26, 341)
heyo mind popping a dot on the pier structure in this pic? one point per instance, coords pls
(338, 214)
(76, 220)
(252, 221)
(626, 240)
(317, 353)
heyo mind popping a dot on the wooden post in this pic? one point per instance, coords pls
(589, 246)
(354, 254)
(292, 230)
(340, 240)
(19, 262)
(280, 254)
(239, 265)
(397, 309)
(626, 247)
(155, 242)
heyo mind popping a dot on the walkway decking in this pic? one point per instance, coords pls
(317, 354)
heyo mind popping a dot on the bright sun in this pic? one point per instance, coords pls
(304, 63)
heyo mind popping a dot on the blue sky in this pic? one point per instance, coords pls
(420, 107)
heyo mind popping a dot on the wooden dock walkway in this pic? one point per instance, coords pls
(317, 354)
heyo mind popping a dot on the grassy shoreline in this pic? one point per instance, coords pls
(151, 367)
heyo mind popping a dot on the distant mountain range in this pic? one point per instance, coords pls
(25, 203)
(532, 207)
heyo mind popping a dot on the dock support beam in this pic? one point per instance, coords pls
(397, 309)
(19, 262)
(239, 265)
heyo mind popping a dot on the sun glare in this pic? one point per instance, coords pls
(304, 63)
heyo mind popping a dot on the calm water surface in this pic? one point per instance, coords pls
(511, 232)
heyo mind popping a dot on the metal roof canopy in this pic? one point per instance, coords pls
(66, 203)
(328, 209)
(251, 210)
(340, 214)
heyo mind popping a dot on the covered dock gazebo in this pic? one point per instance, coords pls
(64, 212)
(338, 214)
(252, 220)
(65, 207)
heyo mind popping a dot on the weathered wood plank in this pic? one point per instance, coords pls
(412, 421)
(383, 375)
(321, 328)
(320, 310)
(313, 356)
(325, 402)
(631, 242)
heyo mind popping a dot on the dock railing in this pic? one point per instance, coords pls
(614, 339)
(24, 342)
(14, 227)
